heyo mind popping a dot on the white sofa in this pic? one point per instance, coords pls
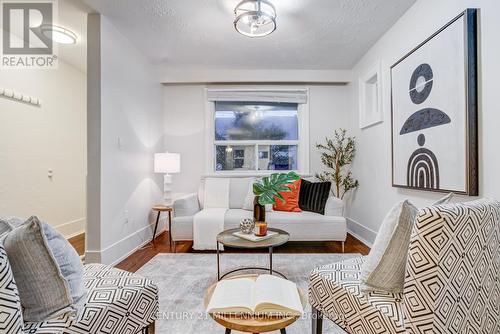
(302, 226)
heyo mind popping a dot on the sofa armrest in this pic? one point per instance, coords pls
(186, 206)
(334, 207)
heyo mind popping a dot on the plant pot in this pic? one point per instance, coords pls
(259, 211)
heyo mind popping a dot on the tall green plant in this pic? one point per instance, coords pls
(269, 187)
(338, 153)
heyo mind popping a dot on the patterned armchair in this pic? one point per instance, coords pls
(118, 302)
(452, 280)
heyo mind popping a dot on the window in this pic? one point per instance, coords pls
(256, 136)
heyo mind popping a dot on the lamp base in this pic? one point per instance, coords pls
(167, 189)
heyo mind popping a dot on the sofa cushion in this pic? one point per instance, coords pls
(250, 197)
(35, 251)
(11, 319)
(303, 225)
(238, 190)
(216, 193)
(313, 196)
(335, 290)
(384, 269)
(118, 302)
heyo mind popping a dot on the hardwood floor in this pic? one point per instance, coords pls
(78, 242)
(161, 245)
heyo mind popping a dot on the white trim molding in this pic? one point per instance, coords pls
(121, 249)
(72, 228)
(361, 232)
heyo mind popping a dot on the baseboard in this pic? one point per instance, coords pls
(72, 228)
(120, 250)
(361, 232)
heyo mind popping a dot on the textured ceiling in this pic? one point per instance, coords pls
(311, 34)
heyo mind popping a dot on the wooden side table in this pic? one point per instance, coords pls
(160, 209)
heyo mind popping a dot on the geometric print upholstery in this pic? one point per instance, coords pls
(335, 290)
(11, 320)
(452, 280)
(118, 302)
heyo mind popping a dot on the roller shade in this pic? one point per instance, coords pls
(284, 96)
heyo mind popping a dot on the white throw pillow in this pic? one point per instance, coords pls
(248, 203)
(216, 193)
(384, 268)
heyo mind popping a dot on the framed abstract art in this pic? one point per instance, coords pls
(435, 110)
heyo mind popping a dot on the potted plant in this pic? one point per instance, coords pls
(267, 189)
(337, 155)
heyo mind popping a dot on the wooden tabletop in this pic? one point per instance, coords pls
(161, 207)
(250, 324)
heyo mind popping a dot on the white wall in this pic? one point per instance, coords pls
(36, 139)
(131, 129)
(373, 163)
(184, 123)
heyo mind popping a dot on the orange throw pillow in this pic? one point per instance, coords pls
(291, 198)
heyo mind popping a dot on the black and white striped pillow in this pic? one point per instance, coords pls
(313, 196)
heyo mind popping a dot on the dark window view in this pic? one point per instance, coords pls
(256, 136)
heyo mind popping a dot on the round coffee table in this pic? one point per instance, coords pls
(249, 324)
(227, 238)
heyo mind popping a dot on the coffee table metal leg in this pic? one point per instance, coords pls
(270, 260)
(228, 331)
(283, 331)
(218, 272)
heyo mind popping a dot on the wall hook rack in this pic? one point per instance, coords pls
(19, 97)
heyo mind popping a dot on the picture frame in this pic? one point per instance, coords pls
(434, 111)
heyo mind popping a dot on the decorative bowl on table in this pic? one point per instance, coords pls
(247, 225)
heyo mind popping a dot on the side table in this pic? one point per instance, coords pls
(160, 209)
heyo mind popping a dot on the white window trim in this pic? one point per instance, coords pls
(303, 143)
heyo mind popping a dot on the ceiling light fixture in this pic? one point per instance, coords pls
(255, 18)
(59, 34)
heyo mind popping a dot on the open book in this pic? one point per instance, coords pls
(266, 295)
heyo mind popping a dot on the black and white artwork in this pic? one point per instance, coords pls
(434, 111)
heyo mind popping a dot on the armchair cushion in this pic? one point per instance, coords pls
(335, 290)
(186, 206)
(118, 302)
(11, 319)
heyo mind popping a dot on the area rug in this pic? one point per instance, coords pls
(183, 278)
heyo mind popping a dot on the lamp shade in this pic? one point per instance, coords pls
(167, 162)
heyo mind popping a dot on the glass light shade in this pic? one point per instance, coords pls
(59, 34)
(167, 163)
(255, 18)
